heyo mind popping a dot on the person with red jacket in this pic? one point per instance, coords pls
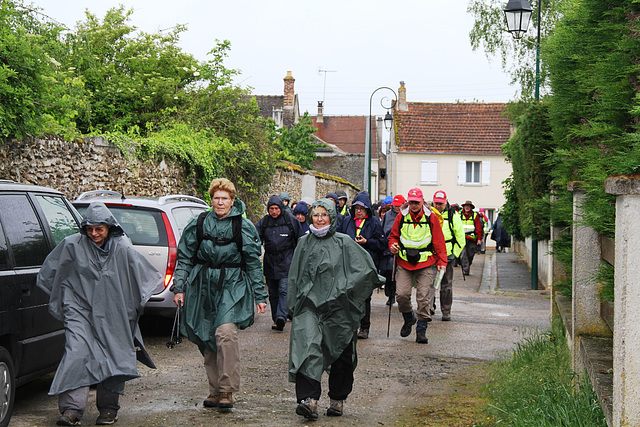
(416, 238)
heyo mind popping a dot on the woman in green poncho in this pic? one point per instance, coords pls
(330, 278)
(217, 281)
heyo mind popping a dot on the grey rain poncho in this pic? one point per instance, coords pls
(99, 294)
(329, 280)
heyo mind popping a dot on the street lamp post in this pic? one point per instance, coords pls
(518, 14)
(388, 121)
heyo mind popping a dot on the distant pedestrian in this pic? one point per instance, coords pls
(218, 281)
(286, 201)
(329, 280)
(334, 198)
(454, 239)
(416, 237)
(364, 229)
(473, 233)
(486, 227)
(301, 211)
(343, 207)
(500, 235)
(279, 233)
(98, 284)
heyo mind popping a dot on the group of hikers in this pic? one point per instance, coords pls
(321, 263)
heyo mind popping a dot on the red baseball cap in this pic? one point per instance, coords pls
(415, 195)
(440, 197)
(398, 200)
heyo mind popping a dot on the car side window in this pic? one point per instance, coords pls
(22, 230)
(60, 219)
(184, 215)
(4, 261)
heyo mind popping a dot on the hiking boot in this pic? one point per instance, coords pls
(421, 332)
(280, 321)
(363, 334)
(446, 317)
(213, 401)
(335, 408)
(106, 419)
(409, 321)
(308, 408)
(68, 419)
(274, 327)
(226, 400)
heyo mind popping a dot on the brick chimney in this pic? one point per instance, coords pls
(320, 118)
(288, 91)
(402, 98)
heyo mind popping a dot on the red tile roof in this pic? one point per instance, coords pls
(471, 128)
(347, 132)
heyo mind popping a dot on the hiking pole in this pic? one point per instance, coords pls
(393, 278)
(462, 269)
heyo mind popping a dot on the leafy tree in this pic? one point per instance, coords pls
(296, 144)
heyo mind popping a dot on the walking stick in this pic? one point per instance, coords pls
(393, 278)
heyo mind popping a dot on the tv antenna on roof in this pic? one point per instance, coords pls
(324, 88)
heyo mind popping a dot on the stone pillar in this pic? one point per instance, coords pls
(626, 334)
(586, 264)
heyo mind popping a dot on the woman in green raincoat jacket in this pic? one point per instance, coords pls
(217, 281)
(330, 278)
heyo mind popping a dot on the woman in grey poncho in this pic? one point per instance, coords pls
(98, 285)
(330, 278)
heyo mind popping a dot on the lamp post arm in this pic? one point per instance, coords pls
(367, 148)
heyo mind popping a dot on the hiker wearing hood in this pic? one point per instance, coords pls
(416, 237)
(218, 281)
(301, 210)
(98, 284)
(330, 278)
(279, 232)
(365, 229)
(286, 201)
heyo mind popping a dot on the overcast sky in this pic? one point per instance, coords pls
(363, 45)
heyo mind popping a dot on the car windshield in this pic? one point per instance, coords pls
(144, 227)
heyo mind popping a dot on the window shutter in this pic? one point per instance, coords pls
(486, 173)
(462, 172)
(429, 172)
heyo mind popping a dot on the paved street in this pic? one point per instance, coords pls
(394, 374)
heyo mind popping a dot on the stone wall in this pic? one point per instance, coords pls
(96, 164)
(349, 167)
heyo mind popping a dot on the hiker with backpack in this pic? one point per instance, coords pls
(217, 282)
(279, 232)
(473, 234)
(416, 237)
(455, 241)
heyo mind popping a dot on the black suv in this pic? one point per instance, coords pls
(33, 220)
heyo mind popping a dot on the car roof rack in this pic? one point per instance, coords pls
(177, 197)
(96, 193)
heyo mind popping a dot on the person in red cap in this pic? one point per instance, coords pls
(416, 237)
(386, 263)
(455, 241)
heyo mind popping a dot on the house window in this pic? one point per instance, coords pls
(474, 172)
(429, 172)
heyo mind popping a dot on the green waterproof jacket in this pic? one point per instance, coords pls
(329, 280)
(205, 306)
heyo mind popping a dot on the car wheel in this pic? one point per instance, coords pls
(7, 387)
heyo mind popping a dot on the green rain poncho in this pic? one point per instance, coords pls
(329, 280)
(206, 308)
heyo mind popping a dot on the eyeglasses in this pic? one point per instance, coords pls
(322, 215)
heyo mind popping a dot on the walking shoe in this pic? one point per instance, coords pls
(106, 419)
(68, 419)
(446, 317)
(335, 408)
(391, 300)
(363, 334)
(226, 400)
(308, 408)
(421, 332)
(213, 401)
(280, 321)
(409, 321)
(274, 327)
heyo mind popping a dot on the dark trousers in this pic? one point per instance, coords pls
(340, 379)
(75, 401)
(277, 297)
(365, 322)
(466, 258)
(389, 285)
(446, 289)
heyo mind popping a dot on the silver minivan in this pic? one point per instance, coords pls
(154, 225)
